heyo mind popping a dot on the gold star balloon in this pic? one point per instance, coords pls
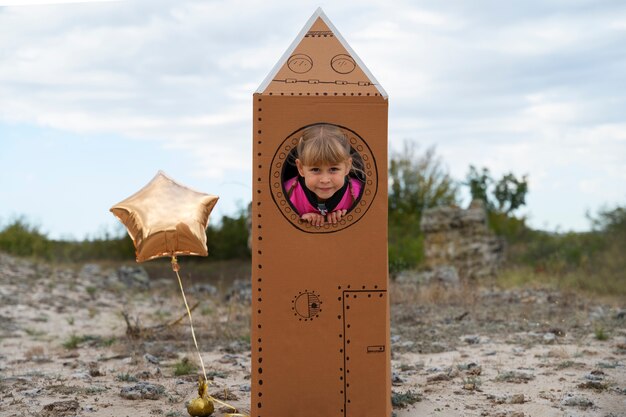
(166, 218)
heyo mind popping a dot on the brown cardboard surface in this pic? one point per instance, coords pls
(320, 327)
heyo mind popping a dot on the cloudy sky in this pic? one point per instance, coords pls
(95, 97)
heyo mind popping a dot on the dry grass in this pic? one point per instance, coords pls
(34, 353)
(433, 294)
(576, 281)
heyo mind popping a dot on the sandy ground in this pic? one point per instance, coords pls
(66, 348)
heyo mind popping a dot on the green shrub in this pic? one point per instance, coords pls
(600, 333)
(21, 239)
(229, 238)
(183, 367)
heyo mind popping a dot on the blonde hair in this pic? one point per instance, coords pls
(323, 144)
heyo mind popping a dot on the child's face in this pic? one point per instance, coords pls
(324, 180)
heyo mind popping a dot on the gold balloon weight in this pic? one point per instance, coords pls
(201, 406)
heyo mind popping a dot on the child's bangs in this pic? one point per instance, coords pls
(329, 152)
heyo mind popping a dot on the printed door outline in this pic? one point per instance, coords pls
(364, 353)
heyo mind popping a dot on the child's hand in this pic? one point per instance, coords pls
(335, 216)
(314, 218)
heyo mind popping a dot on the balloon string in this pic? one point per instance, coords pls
(176, 268)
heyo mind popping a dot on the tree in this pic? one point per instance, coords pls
(416, 182)
(501, 199)
(503, 196)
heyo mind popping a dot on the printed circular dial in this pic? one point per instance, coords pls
(306, 305)
(361, 205)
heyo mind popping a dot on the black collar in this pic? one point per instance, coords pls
(330, 203)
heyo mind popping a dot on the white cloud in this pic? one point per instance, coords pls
(534, 88)
(44, 2)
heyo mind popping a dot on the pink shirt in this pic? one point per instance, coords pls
(301, 203)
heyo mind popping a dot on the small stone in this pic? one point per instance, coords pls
(596, 375)
(516, 377)
(442, 376)
(94, 369)
(572, 400)
(396, 380)
(142, 391)
(60, 408)
(471, 339)
(151, 359)
(143, 375)
(549, 338)
(204, 288)
(517, 399)
(85, 376)
(134, 276)
(32, 392)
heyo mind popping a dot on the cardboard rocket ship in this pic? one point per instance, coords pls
(320, 310)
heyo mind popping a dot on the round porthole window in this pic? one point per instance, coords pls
(283, 168)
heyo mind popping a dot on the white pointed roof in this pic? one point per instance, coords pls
(318, 61)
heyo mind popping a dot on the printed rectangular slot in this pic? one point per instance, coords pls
(376, 349)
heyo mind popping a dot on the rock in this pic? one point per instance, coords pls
(557, 331)
(89, 270)
(549, 338)
(151, 359)
(396, 380)
(241, 290)
(518, 351)
(442, 376)
(32, 392)
(133, 276)
(204, 289)
(438, 347)
(94, 369)
(507, 398)
(82, 375)
(597, 313)
(471, 339)
(572, 400)
(445, 374)
(143, 391)
(461, 239)
(244, 388)
(236, 346)
(228, 358)
(143, 375)
(596, 375)
(516, 377)
(60, 409)
(471, 368)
